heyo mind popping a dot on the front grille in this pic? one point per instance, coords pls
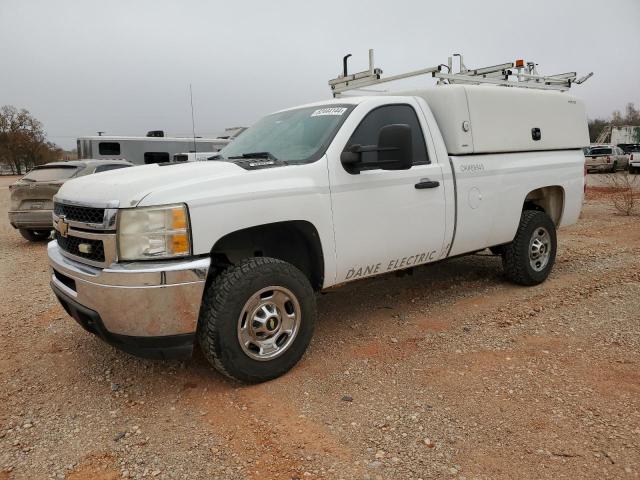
(79, 214)
(71, 244)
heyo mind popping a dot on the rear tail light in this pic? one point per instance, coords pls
(608, 159)
(631, 157)
(584, 182)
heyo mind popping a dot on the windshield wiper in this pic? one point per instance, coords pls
(255, 155)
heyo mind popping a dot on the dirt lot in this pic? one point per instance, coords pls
(448, 373)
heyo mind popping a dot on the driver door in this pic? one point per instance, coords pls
(387, 220)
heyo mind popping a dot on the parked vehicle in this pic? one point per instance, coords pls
(629, 147)
(32, 195)
(229, 252)
(145, 150)
(633, 150)
(606, 158)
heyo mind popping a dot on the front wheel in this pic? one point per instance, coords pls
(35, 235)
(528, 260)
(257, 319)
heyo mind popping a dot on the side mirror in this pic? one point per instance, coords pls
(393, 151)
(351, 156)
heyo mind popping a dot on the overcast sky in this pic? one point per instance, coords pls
(124, 67)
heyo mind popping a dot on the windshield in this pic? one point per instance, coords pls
(294, 136)
(48, 174)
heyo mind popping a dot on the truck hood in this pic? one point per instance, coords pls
(129, 186)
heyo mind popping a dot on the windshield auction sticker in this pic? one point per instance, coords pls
(329, 111)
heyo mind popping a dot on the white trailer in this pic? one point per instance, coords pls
(144, 150)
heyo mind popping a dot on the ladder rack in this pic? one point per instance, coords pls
(511, 74)
(605, 135)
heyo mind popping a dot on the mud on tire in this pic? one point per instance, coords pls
(225, 310)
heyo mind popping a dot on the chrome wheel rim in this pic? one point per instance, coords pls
(269, 323)
(539, 249)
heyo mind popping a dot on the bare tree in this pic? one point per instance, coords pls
(632, 115)
(23, 142)
(596, 126)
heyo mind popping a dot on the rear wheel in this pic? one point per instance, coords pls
(35, 235)
(614, 167)
(257, 319)
(528, 260)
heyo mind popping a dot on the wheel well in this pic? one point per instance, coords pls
(296, 242)
(546, 199)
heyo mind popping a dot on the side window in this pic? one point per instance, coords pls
(156, 157)
(367, 132)
(109, 148)
(104, 168)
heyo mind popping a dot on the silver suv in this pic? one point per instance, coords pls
(32, 195)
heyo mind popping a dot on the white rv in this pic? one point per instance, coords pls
(144, 150)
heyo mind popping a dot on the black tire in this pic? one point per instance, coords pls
(614, 167)
(516, 259)
(223, 303)
(35, 235)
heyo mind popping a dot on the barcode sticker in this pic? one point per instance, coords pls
(329, 111)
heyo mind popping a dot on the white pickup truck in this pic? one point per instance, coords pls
(230, 252)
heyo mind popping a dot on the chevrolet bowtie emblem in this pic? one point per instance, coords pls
(63, 226)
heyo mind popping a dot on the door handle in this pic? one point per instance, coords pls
(426, 183)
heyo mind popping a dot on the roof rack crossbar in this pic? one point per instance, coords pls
(508, 74)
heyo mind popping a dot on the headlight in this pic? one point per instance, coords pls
(153, 233)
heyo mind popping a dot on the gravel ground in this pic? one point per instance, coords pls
(447, 373)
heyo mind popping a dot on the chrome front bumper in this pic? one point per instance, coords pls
(31, 219)
(135, 299)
